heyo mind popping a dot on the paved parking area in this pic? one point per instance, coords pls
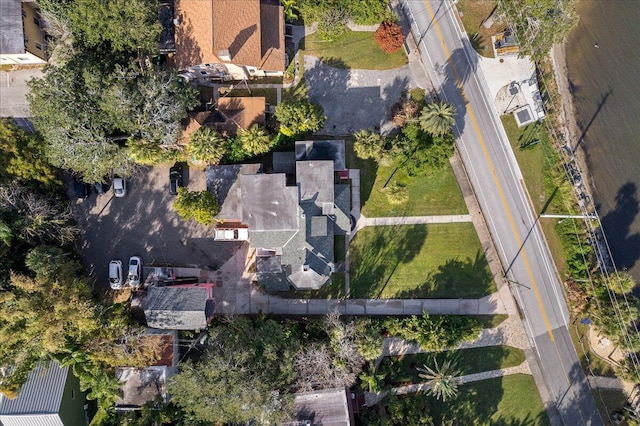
(355, 99)
(143, 223)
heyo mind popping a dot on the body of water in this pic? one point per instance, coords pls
(603, 58)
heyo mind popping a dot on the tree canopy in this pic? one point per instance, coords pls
(200, 206)
(437, 118)
(538, 24)
(300, 117)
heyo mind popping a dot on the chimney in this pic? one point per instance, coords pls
(224, 55)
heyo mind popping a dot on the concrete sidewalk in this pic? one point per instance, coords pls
(243, 299)
(415, 220)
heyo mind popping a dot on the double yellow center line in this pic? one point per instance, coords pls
(503, 199)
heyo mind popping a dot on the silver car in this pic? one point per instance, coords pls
(135, 271)
(119, 187)
(115, 274)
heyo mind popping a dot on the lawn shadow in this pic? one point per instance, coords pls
(468, 278)
(387, 248)
(625, 248)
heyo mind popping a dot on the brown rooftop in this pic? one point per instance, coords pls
(251, 30)
(240, 113)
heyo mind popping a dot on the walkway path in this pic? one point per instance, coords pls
(519, 369)
(415, 220)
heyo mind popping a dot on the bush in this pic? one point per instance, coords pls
(299, 117)
(200, 206)
(389, 36)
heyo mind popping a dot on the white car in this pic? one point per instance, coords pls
(115, 274)
(119, 187)
(135, 271)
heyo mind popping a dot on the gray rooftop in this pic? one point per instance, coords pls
(41, 394)
(223, 182)
(267, 204)
(315, 179)
(342, 212)
(177, 308)
(284, 162)
(11, 32)
(328, 407)
(322, 150)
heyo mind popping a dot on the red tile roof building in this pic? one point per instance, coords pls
(252, 31)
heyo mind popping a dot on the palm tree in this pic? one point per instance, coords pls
(207, 145)
(368, 144)
(441, 379)
(255, 140)
(437, 118)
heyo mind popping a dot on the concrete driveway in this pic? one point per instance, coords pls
(355, 99)
(13, 94)
(143, 223)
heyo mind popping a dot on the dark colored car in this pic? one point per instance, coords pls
(100, 188)
(175, 179)
(81, 188)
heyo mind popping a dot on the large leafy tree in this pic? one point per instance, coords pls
(298, 118)
(85, 114)
(123, 26)
(538, 24)
(244, 376)
(437, 118)
(22, 156)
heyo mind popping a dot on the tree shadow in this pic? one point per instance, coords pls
(625, 248)
(460, 66)
(375, 260)
(468, 278)
(188, 51)
(477, 42)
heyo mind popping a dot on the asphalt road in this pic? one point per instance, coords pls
(499, 186)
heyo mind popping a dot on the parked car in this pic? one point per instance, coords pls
(81, 188)
(135, 271)
(115, 274)
(100, 188)
(119, 187)
(175, 179)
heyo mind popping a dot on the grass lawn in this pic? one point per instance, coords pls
(509, 400)
(437, 193)
(271, 95)
(353, 49)
(468, 361)
(609, 401)
(473, 13)
(536, 163)
(419, 261)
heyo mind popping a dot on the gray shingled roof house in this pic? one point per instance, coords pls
(292, 214)
(179, 307)
(51, 396)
